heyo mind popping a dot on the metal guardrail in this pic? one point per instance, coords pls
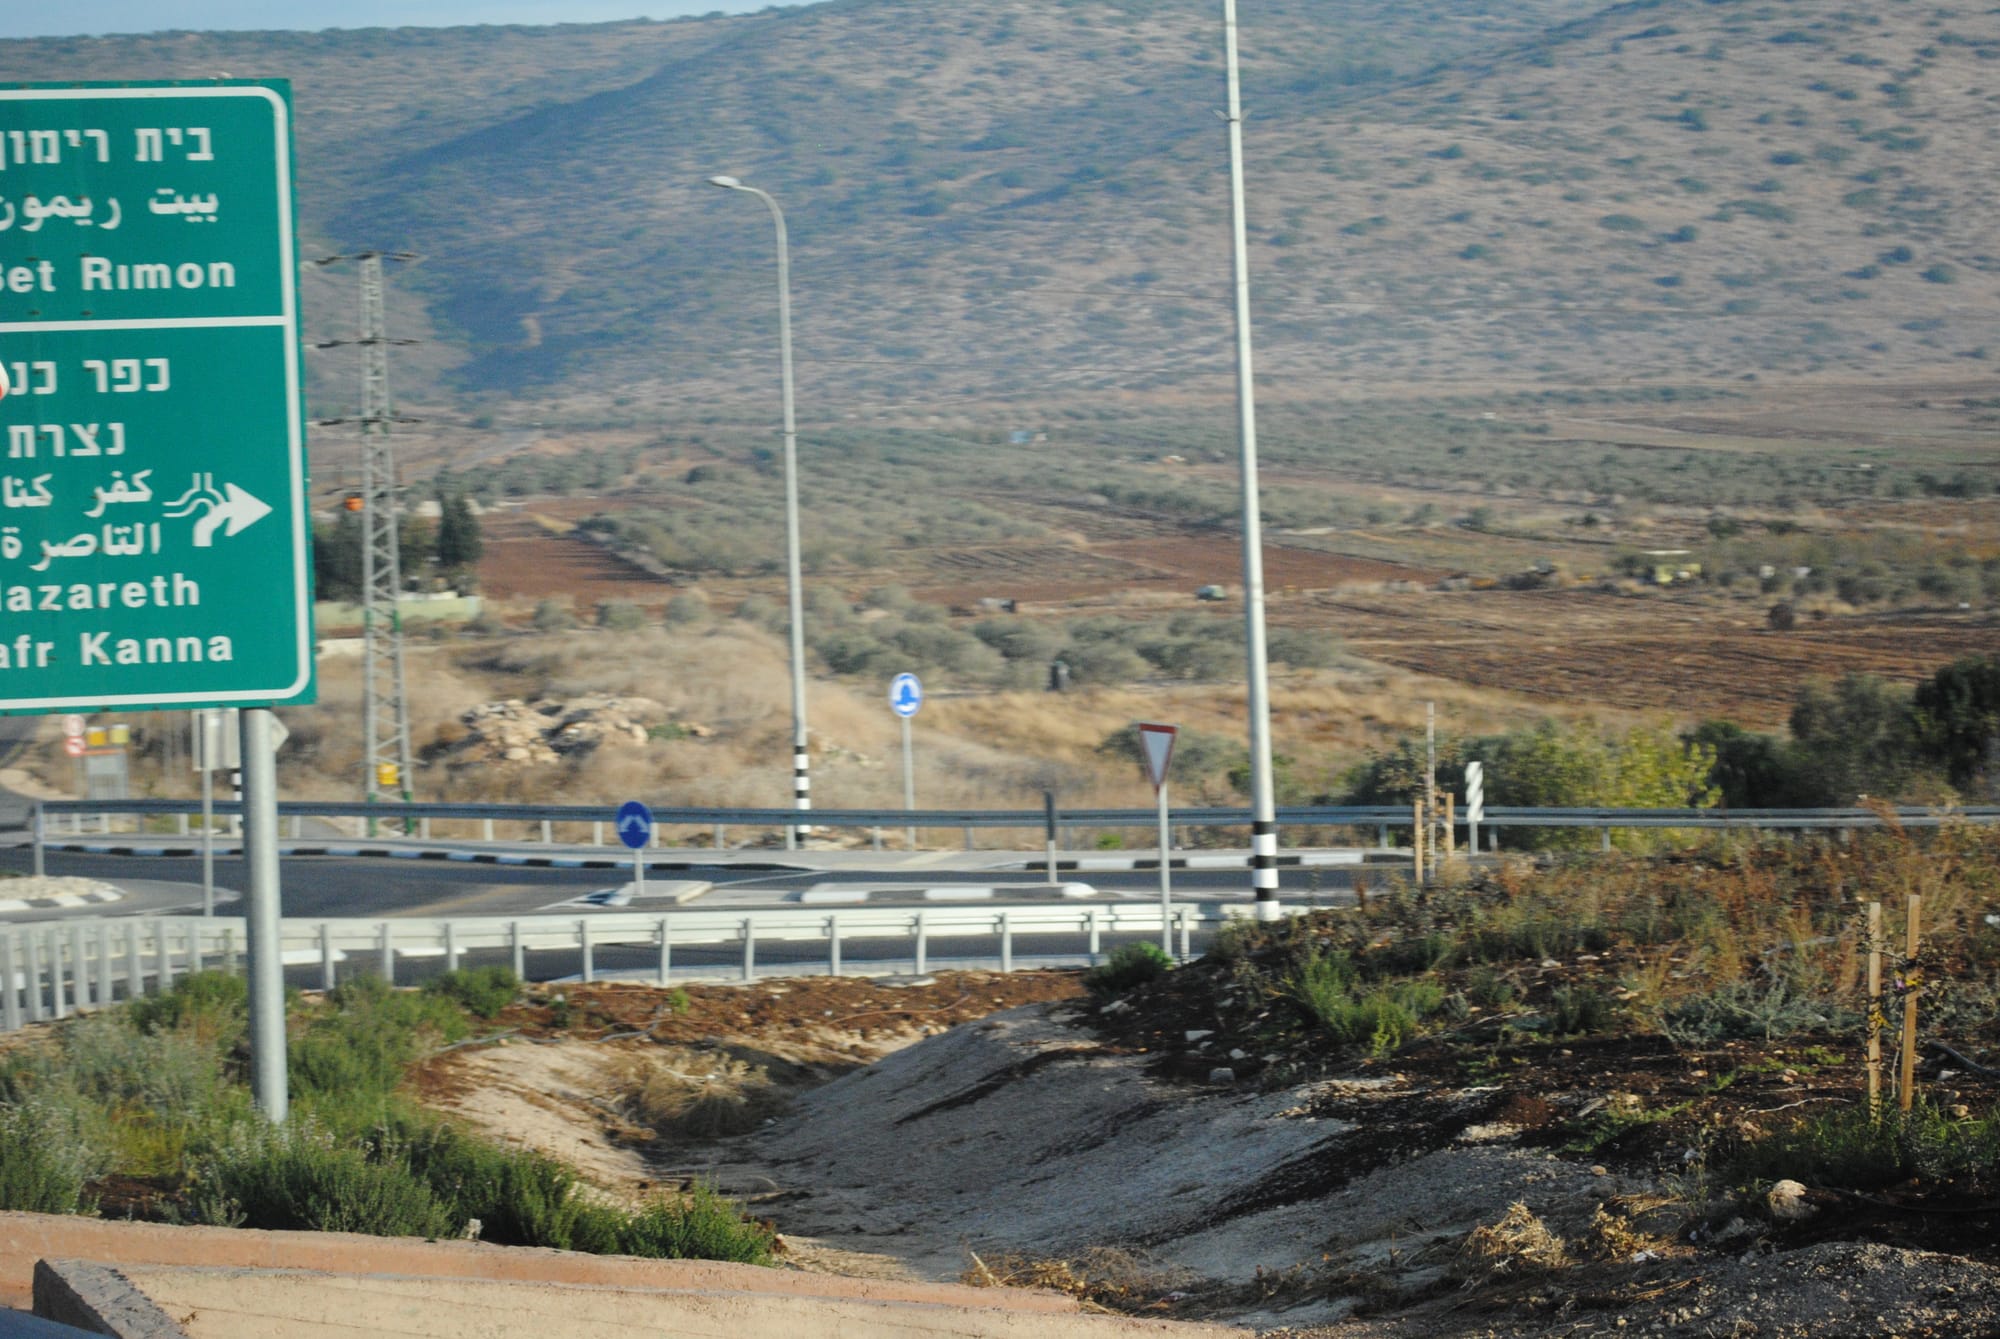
(1318, 816)
(50, 970)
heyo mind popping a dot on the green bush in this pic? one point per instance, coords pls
(520, 1198)
(701, 1225)
(303, 1177)
(1848, 1149)
(1327, 989)
(1745, 1010)
(480, 991)
(347, 1061)
(1577, 1010)
(1128, 967)
(44, 1163)
(620, 616)
(553, 615)
(212, 1002)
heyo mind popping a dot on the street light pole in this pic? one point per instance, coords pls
(801, 760)
(1263, 808)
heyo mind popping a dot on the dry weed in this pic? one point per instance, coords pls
(1520, 1243)
(681, 1093)
(1609, 1237)
(1103, 1278)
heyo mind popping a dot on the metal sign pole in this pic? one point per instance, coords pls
(1166, 878)
(1049, 823)
(267, 964)
(638, 872)
(41, 835)
(909, 783)
(207, 823)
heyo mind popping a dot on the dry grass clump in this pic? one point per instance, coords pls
(1520, 1243)
(1611, 1237)
(1103, 1278)
(688, 1094)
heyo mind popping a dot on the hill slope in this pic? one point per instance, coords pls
(994, 200)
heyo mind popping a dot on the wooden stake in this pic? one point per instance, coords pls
(1417, 838)
(1874, 1011)
(1908, 1086)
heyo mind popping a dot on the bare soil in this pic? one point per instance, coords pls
(524, 560)
(1688, 654)
(1011, 1128)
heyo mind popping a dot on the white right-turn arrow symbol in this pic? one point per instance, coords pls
(237, 512)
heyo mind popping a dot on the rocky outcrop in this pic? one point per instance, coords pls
(545, 731)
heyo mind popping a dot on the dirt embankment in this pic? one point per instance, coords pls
(996, 1127)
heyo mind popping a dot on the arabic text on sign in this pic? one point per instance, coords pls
(33, 213)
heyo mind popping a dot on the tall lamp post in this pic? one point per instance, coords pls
(1263, 810)
(801, 763)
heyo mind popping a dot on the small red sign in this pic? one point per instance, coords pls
(74, 746)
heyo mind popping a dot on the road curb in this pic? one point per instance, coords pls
(412, 853)
(102, 892)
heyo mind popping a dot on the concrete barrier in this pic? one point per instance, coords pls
(220, 1283)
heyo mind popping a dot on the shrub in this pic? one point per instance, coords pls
(685, 610)
(213, 1003)
(620, 616)
(1129, 966)
(701, 1225)
(346, 1062)
(301, 1177)
(553, 615)
(44, 1163)
(1577, 1010)
(1326, 988)
(1745, 1010)
(698, 1095)
(1849, 1149)
(480, 991)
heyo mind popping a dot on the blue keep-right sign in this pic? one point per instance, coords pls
(906, 694)
(635, 824)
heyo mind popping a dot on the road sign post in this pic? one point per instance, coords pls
(154, 542)
(153, 533)
(1049, 831)
(635, 829)
(906, 695)
(262, 911)
(1156, 743)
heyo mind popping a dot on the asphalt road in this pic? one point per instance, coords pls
(335, 886)
(348, 887)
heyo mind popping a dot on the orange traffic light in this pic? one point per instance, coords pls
(352, 502)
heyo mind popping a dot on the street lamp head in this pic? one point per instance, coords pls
(727, 183)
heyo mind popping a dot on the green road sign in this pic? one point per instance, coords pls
(154, 541)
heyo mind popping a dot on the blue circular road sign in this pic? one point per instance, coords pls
(635, 824)
(906, 694)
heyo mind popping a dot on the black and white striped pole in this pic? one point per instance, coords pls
(1475, 802)
(1263, 807)
(801, 760)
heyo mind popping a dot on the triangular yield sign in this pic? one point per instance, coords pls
(1157, 744)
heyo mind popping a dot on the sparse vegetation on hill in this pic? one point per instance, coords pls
(1681, 959)
(1563, 191)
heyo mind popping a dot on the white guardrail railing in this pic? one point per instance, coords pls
(547, 824)
(51, 969)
